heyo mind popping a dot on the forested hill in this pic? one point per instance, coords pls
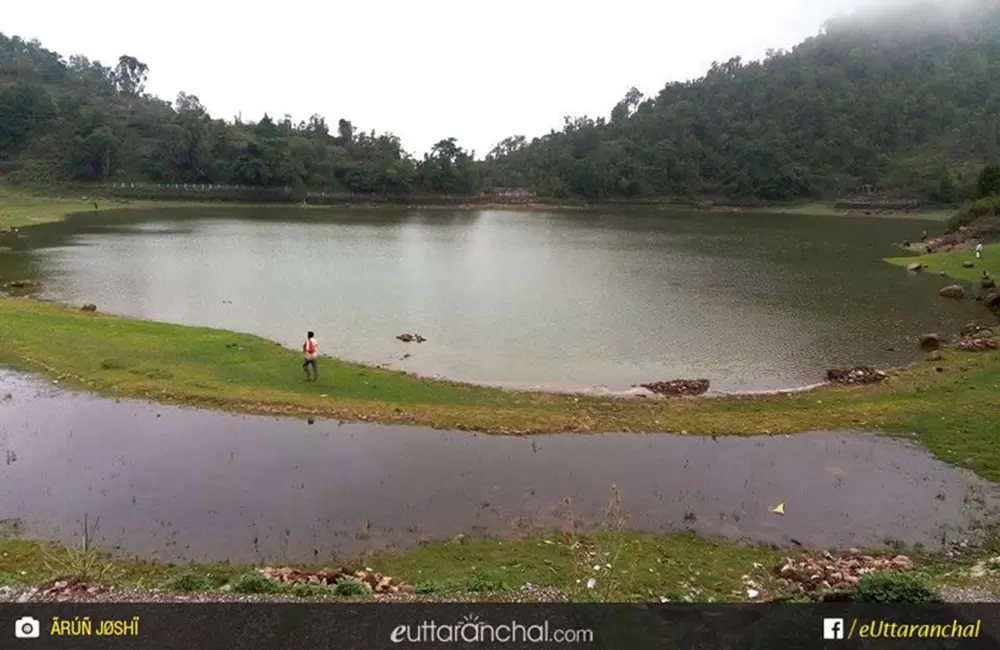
(904, 100)
(78, 120)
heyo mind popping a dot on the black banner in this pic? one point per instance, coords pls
(231, 626)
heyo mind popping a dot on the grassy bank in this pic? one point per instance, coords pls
(951, 262)
(21, 208)
(623, 567)
(954, 410)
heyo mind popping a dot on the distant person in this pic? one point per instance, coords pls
(979, 250)
(309, 348)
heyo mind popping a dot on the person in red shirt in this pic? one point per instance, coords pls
(309, 356)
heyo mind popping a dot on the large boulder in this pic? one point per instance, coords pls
(988, 283)
(992, 302)
(914, 266)
(930, 342)
(955, 291)
(967, 264)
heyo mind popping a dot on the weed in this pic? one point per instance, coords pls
(255, 582)
(892, 587)
(188, 582)
(351, 587)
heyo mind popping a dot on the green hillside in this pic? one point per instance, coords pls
(904, 101)
(900, 102)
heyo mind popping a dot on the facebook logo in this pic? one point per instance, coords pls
(833, 628)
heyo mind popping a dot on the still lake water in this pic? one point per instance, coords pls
(180, 484)
(557, 301)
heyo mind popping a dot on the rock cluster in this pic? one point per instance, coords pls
(812, 574)
(409, 338)
(856, 375)
(378, 583)
(976, 337)
(63, 590)
(678, 387)
(23, 284)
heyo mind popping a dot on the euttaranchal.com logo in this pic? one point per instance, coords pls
(470, 629)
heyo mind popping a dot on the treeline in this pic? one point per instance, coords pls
(903, 102)
(77, 120)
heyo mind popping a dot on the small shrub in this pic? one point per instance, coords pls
(891, 587)
(255, 583)
(350, 587)
(87, 565)
(310, 590)
(188, 582)
(483, 583)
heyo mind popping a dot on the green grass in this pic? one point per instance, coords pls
(819, 209)
(680, 567)
(954, 412)
(647, 567)
(951, 263)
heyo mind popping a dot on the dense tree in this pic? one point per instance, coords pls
(903, 101)
(130, 76)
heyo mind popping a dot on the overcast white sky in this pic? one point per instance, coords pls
(478, 70)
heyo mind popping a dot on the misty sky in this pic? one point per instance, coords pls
(478, 71)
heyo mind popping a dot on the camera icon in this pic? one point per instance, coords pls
(26, 628)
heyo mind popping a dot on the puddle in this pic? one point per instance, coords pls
(181, 484)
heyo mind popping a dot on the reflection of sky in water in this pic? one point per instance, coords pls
(526, 299)
(172, 483)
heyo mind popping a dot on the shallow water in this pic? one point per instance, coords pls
(560, 301)
(181, 484)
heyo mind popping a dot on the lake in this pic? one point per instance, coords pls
(561, 301)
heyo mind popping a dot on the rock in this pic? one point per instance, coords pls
(955, 291)
(24, 284)
(89, 307)
(405, 338)
(992, 302)
(935, 356)
(967, 265)
(987, 282)
(855, 376)
(930, 342)
(914, 266)
(678, 387)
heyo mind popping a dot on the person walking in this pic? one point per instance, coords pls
(979, 251)
(309, 355)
